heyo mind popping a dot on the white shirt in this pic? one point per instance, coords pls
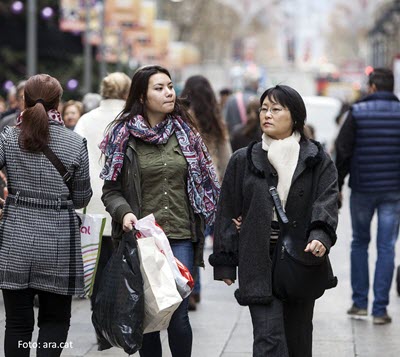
(92, 126)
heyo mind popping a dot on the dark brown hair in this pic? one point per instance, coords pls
(199, 96)
(41, 94)
(135, 103)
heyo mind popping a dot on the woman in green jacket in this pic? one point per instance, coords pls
(156, 162)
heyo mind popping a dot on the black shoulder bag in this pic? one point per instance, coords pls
(297, 275)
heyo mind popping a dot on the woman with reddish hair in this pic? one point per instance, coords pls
(40, 252)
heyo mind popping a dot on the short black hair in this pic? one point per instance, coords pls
(382, 78)
(290, 99)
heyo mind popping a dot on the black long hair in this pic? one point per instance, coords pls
(137, 97)
(290, 99)
(41, 94)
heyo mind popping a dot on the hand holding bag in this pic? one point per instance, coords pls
(119, 307)
(298, 275)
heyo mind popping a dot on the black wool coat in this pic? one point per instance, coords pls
(311, 208)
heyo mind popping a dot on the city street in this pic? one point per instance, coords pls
(222, 328)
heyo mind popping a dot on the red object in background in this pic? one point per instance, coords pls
(185, 273)
(321, 83)
(368, 70)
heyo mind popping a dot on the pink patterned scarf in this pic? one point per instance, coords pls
(54, 117)
(203, 187)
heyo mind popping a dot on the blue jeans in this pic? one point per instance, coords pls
(362, 207)
(179, 329)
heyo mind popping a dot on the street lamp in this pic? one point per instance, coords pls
(31, 38)
(17, 7)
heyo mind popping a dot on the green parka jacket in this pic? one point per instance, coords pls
(124, 196)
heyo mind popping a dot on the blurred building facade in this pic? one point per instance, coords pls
(384, 36)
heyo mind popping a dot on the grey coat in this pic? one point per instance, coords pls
(311, 208)
(39, 233)
(124, 196)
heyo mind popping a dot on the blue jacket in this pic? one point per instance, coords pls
(374, 129)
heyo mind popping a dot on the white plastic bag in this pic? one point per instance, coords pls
(148, 227)
(91, 229)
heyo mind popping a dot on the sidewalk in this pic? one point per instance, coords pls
(222, 328)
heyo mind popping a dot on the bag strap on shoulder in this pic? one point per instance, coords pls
(277, 201)
(53, 158)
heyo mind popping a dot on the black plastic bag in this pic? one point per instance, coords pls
(118, 311)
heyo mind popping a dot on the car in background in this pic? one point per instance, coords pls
(321, 115)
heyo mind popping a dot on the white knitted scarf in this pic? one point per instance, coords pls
(283, 156)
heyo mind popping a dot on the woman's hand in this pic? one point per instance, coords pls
(316, 248)
(238, 222)
(128, 222)
(228, 281)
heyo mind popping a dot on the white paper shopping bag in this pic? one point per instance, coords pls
(161, 297)
(148, 227)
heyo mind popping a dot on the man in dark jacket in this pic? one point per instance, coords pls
(368, 148)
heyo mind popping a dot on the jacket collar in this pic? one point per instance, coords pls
(310, 155)
(380, 95)
(132, 145)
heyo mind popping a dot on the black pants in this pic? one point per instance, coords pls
(282, 329)
(299, 328)
(53, 321)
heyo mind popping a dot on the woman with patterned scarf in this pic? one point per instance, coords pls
(40, 242)
(156, 162)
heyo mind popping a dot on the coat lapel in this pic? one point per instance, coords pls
(307, 156)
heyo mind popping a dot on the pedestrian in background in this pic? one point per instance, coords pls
(156, 162)
(114, 90)
(91, 101)
(368, 148)
(12, 102)
(234, 111)
(3, 105)
(71, 112)
(292, 163)
(10, 119)
(40, 250)
(224, 95)
(203, 106)
(244, 134)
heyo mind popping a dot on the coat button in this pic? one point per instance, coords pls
(294, 224)
(301, 192)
